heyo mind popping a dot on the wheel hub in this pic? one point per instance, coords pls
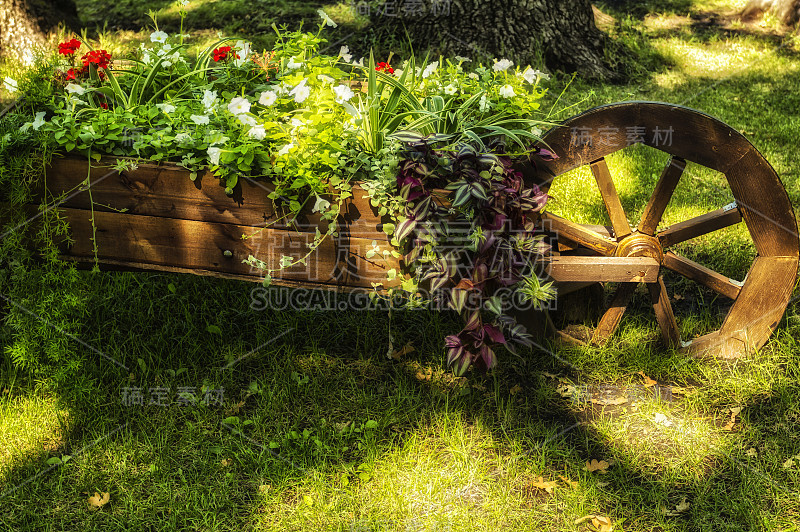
(640, 245)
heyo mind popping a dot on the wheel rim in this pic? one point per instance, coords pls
(761, 203)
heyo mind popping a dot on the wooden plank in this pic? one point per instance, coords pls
(655, 208)
(611, 318)
(700, 274)
(164, 243)
(610, 198)
(700, 225)
(577, 233)
(564, 244)
(166, 191)
(601, 269)
(664, 315)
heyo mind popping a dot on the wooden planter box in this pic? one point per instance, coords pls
(156, 218)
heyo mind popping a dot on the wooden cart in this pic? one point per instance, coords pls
(156, 218)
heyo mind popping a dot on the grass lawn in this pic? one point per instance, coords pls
(194, 411)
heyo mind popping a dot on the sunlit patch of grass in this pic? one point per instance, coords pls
(30, 425)
(660, 439)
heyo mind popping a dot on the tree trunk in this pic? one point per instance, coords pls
(562, 33)
(787, 11)
(24, 24)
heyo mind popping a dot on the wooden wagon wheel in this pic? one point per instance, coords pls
(761, 203)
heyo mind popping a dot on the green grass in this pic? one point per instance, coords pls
(319, 430)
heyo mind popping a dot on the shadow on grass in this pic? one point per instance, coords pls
(294, 445)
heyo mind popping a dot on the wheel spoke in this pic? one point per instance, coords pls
(700, 274)
(701, 225)
(661, 195)
(611, 199)
(575, 268)
(579, 234)
(664, 315)
(610, 320)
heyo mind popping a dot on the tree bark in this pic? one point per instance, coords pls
(562, 33)
(787, 11)
(24, 24)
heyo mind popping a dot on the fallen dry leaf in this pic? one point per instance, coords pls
(98, 500)
(544, 485)
(568, 482)
(600, 522)
(735, 411)
(515, 390)
(565, 390)
(597, 465)
(788, 463)
(751, 452)
(403, 351)
(728, 426)
(647, 381)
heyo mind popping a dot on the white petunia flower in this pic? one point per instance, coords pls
(343, 93)
(507, 91)
(533, 76)
(246, 120)
(536, 131)
(166, 108)
(450, 89)
(398, 72)
(321, 205)
(243, 51)
(296, 122)
(267, 98)
(285, 149)
(326, 19)
(74, 88)
(473, 75)
(345, 54)
(182, 137)
(239, 105)
(158, 36)
(300, 92)
(484, 104)
(325, 79)
(257, 132)
(502, 65)
(292, 65)
(200, 120)
(463, 59)
(10, 84)
(360, 62)
(209, 99)
(38, 120)
(213, 154)
(430, 69)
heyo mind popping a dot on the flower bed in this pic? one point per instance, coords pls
(406, 185)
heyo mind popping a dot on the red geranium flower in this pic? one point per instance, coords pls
(99, 58)
(222, 53)
(69, 47)
(103, 105)
(384, 67)
(70, 75)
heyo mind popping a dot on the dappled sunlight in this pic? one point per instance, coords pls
(715, 60)
(660, 437)
(30, 425)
